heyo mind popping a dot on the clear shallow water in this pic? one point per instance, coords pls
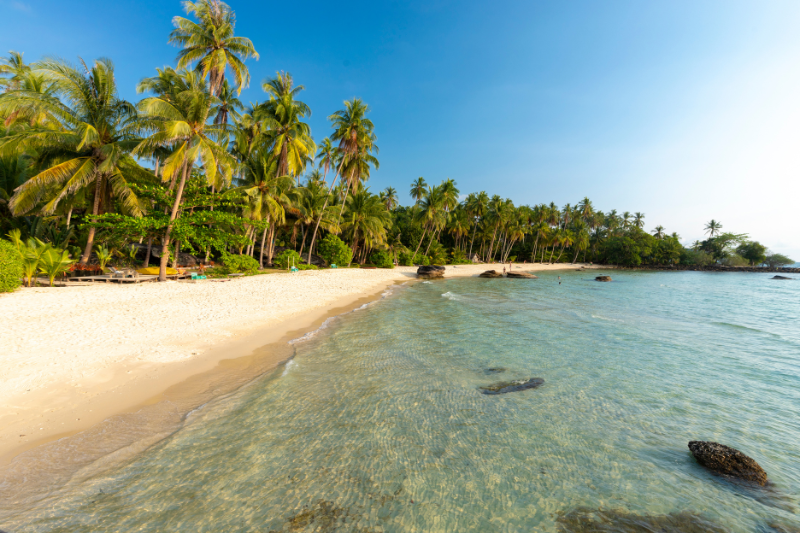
(378, 425)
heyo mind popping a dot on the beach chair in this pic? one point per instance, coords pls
(294, 269)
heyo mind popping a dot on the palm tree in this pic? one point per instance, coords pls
(266, 196)
(289, 137)
(229, 105)
(356, 136)
(83, 146)
(211, 44)
(368, 218)
(476, 206)
(13, 71)
(713, 228)
(626, 219)
(389, 198)
(179, 118)
(326, 155)
(638, 220)
(658, 233)
(431, 213)
(418, 189)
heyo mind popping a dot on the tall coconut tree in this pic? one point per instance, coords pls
(431, 214)
(419, 189)
(476, 205)
(13, 71)
(83, 144)
(210, 43)
(356, 136)
(713, 228)
(638, 220)
(367, 218)
(389, 197)
(180, 118)
(287, 135)
(326, 156)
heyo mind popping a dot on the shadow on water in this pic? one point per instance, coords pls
(583, 520)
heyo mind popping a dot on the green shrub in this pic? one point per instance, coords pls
(381, 259)
(287, 259)
(10, 267)
(459, 258)
(437, 255)
(334, 251)
(307, 267)
(239, 263)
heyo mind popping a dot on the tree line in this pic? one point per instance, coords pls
(191, 169)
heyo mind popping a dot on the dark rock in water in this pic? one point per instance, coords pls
(727, 461)
(780, 277)
(430, 272)
(494, 370)
(491, 274)
(525, 275)
(603, 278)
(511, 386)
(584, 520)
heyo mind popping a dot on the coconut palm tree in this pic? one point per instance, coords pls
(356, 136)
(431, 213)
(13, 71)
(229, 105)
(419, 189)
(713, 228)
(178, 118)
(638, 220)
(367, 218)
(266, 193)
(289, 137)
(658, 233)
(389, 198)
(211, 44)
(476, 205)
(326, 155)
(84, 145)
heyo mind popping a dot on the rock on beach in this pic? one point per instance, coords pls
(727, 461)
(491, 274)
(603, 278)
(525, 275)
(430, 272)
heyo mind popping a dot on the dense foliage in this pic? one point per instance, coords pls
(10, 267)
(191, 175)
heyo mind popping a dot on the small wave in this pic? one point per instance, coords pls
(290, 365)
(311, 334)
(426, 282)
(195, 410)
(362, 307)
(745, 328)
(606, 318)
(451, 296)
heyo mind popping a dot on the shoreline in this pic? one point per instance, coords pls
(151, 399)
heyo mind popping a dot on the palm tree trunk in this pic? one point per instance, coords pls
(263, 238)
(149, 249)
(322, 212)
(303, 247)
(69, 216)
(577, 251)
(176, 259)
(162, 269)
(491, 246)
(474, 227)
(424, 230)
(95, 209)
(535, 244)
(434, 236)
(355, 245)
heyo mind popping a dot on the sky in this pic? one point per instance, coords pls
(685, 110)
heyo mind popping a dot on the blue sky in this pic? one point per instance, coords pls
(684, 110)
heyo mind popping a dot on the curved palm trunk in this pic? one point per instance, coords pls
(87, 251)
(535, 245)
(149, 249)
(577, 251)
(322, 212)
(434, 236)
(263, 239)
(424, 230)
(490, 255)
(162, 269)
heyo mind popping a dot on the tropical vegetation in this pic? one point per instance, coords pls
(189, 175)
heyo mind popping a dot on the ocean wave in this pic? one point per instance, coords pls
(452, 296)
(290, 365)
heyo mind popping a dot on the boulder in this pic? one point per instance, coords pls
(603, 278)
(430, 272)
(780, 277)
(504, 387)
(727, 461)
(525, 275)
(491, 274)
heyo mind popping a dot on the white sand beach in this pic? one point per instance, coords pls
(74, 356)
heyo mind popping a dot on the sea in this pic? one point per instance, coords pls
(379, 422)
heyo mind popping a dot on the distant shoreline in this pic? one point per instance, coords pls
(713, 268)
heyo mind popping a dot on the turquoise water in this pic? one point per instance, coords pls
(377, 424)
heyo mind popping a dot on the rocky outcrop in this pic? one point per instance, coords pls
(603, 278)
(504, 387)
(491, 274)
(430, 272)
(524, 275)
(780, 277)
(727, 461)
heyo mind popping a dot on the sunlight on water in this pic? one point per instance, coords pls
(378, 423)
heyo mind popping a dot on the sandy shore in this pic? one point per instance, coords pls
(72, 357)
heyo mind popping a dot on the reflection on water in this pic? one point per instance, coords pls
(379, 424)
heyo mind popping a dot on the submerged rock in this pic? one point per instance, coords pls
(504, 387)
(525, 275)
(603, 278)
(584, 520)
(491, 274)
(780, 277)
(430, 272)
(727, 461)
(494, 370)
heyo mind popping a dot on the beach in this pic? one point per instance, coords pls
(74, 356)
